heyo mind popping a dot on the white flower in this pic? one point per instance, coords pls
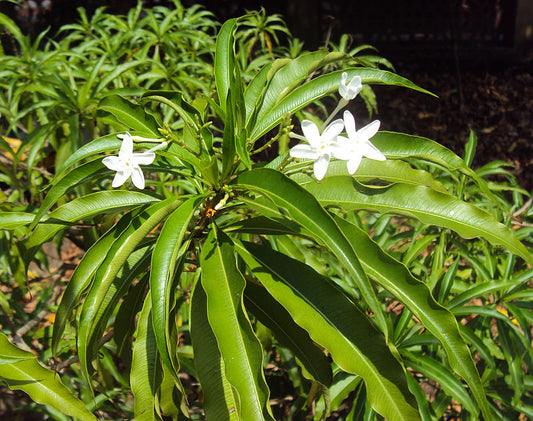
(321, 147)
(358, 144)
(349, 91)
(127, 164)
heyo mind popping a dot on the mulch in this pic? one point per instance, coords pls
(495, 101)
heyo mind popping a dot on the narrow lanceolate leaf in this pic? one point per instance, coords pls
(400, 145)
(239, 347)
(83, 276)
(219, 400)
(224, 60)
(253, 94)
(145, 376)
(103, 144)
(21, 370)
(138, 229)
(425, 204)
(304, 209)
(336, 323)
(85, 207)
(390, 171)
(415, 295)
(134, 268)
(274, 316)
(318, 88)
(131, 115)
(164, 259)
(79, 175)
(14, 220)
(283, 79)
(438, 372)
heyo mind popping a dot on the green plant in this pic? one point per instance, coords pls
(227, 263)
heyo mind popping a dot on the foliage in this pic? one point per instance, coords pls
(241, 277)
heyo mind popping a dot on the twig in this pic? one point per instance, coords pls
(21, 165)
(524, 208)
(72, 360)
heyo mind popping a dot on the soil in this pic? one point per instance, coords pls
(496, 102)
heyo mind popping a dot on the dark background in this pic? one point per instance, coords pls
(438, 26)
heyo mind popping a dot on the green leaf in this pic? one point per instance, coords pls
(390, 171)
(239, 347)
(126, 319)
(12, 27)
(132, 116)
(84, 95)
(400, 146)
(262, 225)
(470, 148)
(438, 372)
(44, 386)
(228, 138)
(274, 316)
(283, 79)
(237, 99)
(167, 253)
(480, 290)
(427, 205)
(85, 207)
(103, 144)
(318, 88)
(343, 385)
(14, 220)
(397, 279)
(219, 400)
(145, 376)
(109, 297)
(97, 298)
(253, 94)
(194, 136)
(82, 277)
(304, 209)
(224, 61)
(77, 176)
(334, 322)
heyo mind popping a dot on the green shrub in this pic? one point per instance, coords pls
(336, 272)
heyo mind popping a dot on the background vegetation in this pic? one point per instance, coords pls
(59, 93)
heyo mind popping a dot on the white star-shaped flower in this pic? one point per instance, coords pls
(127, 164)
(357, 144)
(350, 90)
(321, 146)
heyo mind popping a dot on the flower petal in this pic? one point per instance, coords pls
(353, 163)
(137, 177)
(350, 90)
(321, 166)
(369, 130)
(143, 158)
(354, 87)
(370, 151)
(113, 163)
(343, 89)
(303, 151)
(349, 124)
(126, 149)
(333, 130)
(120, 178)
(311, 132)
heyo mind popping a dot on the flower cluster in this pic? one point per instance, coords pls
(127, 163)
(330, 144)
